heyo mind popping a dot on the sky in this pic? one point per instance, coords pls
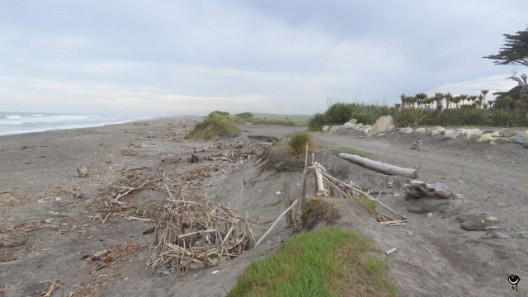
(275, 56)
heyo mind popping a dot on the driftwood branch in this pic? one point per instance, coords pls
(379, 166)
(276, 221)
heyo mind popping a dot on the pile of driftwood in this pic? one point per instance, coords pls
(193, 232)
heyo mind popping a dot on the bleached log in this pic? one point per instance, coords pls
(320, 184)
(379, 166)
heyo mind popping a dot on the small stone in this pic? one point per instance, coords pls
(165, 272)
(215, 271)
(473, 134)
(429, 215)
(518, 139)
(485, 138)
(498, 235)
(407, 130)
(278, 193)
(451, 134)
(48, 220)
(492, 219)
(438, 130)
(420, 130)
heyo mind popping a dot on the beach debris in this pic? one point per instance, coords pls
(97, 256)
(419, 189)
(215, 271)
(379, 166)
(52, 288)
(82, 171)
(391, 251)
(26, 147)
(194, 159)
(193, 232)
(497, 235)
(482, 222)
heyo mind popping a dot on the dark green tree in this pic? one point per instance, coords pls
(514, 51)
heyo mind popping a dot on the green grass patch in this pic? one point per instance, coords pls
(340, 113)
(217, 124)
(326, 262)
(298, 140)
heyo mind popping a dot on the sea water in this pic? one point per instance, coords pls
(22, 122)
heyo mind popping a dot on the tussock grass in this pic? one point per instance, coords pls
(298, 140)
(326, 262)
(215, 125)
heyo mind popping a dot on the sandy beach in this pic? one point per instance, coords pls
(51, 217)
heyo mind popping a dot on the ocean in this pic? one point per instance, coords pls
(23, 122)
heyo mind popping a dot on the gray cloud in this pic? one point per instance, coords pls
(282, 56)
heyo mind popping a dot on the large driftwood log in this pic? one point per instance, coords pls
(379, 166)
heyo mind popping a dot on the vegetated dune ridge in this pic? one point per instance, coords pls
(435, 257)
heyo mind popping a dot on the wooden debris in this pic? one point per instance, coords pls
(379, 166)
(52, 288)
(192, 232)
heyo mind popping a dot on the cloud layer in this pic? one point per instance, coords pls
(163, 57)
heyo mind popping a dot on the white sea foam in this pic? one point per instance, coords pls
(20, 123)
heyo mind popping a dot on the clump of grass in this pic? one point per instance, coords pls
(244, 115)
(298, 141)
(218, 113)
(326, 262)
(216, 125)
(317, 121)
(408, 117)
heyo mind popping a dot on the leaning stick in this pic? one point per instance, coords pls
(277, 220)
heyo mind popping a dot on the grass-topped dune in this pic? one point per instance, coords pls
(326, 262)
(222, 124)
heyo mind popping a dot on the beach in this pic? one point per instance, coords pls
(55, 212)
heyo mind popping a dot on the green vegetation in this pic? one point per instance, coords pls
(298, 141)
(215, 125)
(327, 262)
(515, 51)
(442, 109)
(270, 121)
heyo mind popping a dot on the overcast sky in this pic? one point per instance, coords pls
(280, 56)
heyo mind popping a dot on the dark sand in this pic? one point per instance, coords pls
(50, 217)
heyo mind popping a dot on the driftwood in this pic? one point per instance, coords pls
(379, 166)
(352, 191)
(192, 232)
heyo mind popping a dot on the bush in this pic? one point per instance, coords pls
(244, 115)
(408, 117)
(298, 140)
(338, 113)
(216, 112)
(317, 121)
(214, 126)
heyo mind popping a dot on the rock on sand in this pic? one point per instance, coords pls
(420, 130)
(485, 138)
(451, 134)
(438, 130)
(407, 130)
(518, 139)
(473, 134)
(382, 125)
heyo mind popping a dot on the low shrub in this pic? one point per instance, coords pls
(216, 125)
(298, 141)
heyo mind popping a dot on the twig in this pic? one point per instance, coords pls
(130, 218)
(276, 221)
